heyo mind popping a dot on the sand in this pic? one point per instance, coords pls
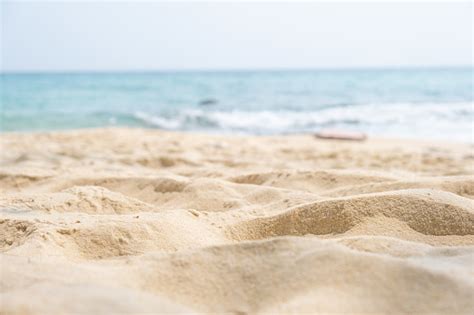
(132, 221)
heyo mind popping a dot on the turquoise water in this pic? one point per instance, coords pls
(417, 103)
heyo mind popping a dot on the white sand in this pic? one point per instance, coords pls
(115, 221)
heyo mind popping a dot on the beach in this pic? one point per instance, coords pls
(123, 220)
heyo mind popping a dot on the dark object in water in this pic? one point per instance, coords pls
(341, 135)
(208, 101)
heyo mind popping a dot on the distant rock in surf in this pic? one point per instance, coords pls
(207, 102)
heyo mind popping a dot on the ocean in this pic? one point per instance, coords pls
(402, 103)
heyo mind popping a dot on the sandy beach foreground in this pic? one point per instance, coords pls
(141, 221)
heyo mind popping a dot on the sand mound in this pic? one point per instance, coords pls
(294, 275)
(130, 221)
(84, 236)
(428, 212)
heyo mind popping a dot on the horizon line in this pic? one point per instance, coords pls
(229, 70)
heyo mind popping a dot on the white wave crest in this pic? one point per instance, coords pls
(437, 119)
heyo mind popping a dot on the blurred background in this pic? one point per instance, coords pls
(388, 69)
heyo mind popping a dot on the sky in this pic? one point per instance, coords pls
(116, 36)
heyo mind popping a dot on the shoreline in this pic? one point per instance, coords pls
(134, 220)
(217, 133)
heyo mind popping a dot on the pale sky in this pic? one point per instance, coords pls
(103, 36)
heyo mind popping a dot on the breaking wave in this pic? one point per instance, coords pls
(402, 119)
